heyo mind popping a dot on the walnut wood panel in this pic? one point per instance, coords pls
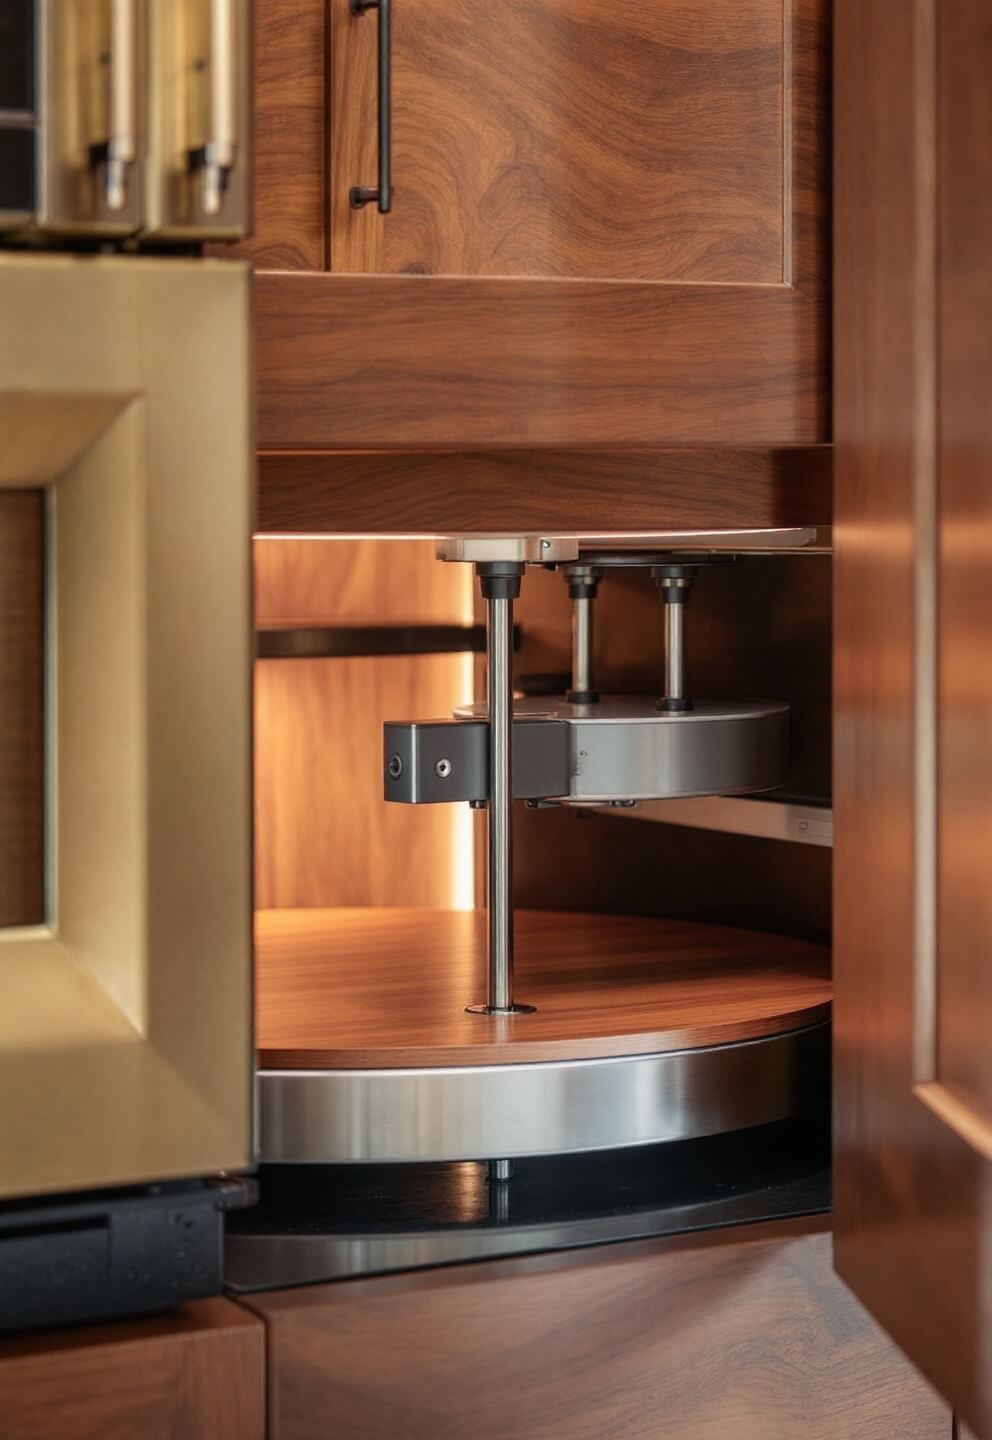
(387, 988)
(289, 142)
(913, 1183)
(410, 362)
(569, 139)
(22, 704)
(745, 1332)
(323, 833)
(312, 582)
(964, 461)
(413, 361)
(593, 491)
(197, 1374)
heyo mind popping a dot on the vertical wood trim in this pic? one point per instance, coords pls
(22, 707)
(788, 145)
(925, 692)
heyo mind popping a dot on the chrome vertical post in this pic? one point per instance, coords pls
(674, 582)
(583, 582)
(500, 583)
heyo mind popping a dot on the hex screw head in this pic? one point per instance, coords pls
(442, 769)
(395, 766)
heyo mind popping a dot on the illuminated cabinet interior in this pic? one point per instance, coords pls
(324, 835)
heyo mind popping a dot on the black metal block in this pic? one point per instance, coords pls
(98, 1256)
(428, 762)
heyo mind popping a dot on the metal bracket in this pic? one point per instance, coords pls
(431, 762)
(521, 549)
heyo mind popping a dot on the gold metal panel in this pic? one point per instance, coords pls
(199, 119)
(92, 54)
(125, 1021)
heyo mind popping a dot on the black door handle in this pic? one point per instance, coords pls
(382, 193)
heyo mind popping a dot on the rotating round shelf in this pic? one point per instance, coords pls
(645, 1030)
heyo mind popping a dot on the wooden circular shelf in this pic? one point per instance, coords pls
(357, 989)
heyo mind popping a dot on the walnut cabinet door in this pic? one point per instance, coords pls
(913, 681)
(605, 223)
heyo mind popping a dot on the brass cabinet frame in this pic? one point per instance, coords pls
(125, 1020)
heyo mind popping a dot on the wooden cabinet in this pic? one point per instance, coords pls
(607, 226)
(913, 697)
(198, 1374)
(744, 1333)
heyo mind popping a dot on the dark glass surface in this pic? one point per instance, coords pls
(324, 1222)
(16, 56)
(16, 170)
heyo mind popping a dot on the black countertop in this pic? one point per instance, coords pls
(329, 1222)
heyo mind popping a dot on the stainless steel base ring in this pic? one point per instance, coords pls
(511, 1111)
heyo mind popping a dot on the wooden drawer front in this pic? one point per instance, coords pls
(195, 1375)
(568, 138)
(701, 1340)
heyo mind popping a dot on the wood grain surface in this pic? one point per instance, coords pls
(369, 361)
(594, 491)
(289, 151)
(912, 1131)
(963, 1017)
(410, 362)
(333, 582)
(566, 139)
(323, 833)
(22, 706)
(744, 1332)
(386, 988)
(197, 1374)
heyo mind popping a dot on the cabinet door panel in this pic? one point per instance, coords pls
(742, 1333)
(913, 757)
(607, 229)
(568, 139)
(963, 1023)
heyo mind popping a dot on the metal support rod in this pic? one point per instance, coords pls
(674, 649)
(583, 582)
(500, 581)
(674, 583)
(499, 656)
(582, 640)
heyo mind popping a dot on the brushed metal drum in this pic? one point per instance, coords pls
(512, 1111)
(624, 748)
